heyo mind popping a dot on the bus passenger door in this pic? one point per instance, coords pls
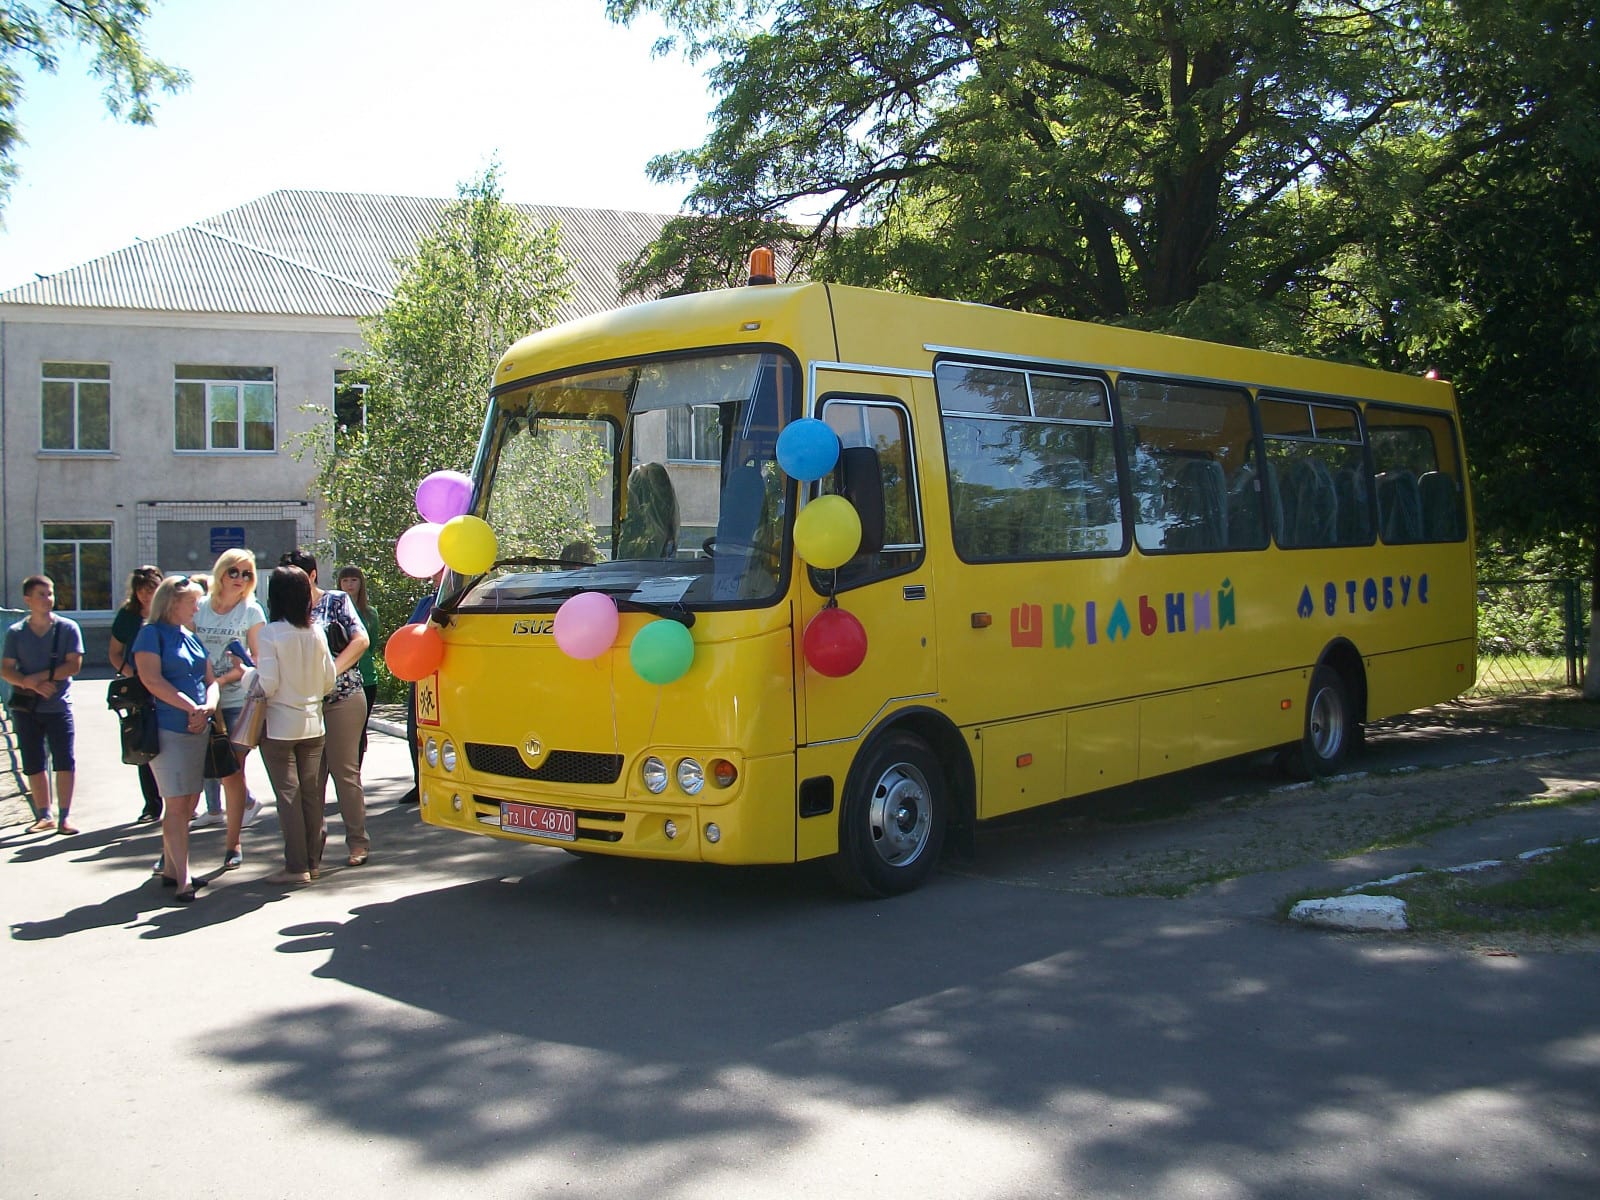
(890, 590)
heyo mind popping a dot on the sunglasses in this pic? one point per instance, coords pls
(240, 573)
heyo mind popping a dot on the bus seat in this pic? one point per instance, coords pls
(650, 524)
(1311, 506)
(1440, 511)
(1399, 507)
(1200, 506)
(1355, 520)
(1245, 498)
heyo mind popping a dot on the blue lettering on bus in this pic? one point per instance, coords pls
(1372, 593)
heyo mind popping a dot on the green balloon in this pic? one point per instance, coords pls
(661, 651)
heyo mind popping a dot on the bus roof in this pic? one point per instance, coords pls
(861, 326)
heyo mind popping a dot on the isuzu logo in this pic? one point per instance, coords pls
(533, 625)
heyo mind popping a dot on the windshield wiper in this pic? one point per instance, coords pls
(674, 611)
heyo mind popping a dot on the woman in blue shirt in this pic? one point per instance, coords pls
(174, 667)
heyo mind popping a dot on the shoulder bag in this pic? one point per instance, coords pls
(247, 729)
(136, 716)
(221, 761)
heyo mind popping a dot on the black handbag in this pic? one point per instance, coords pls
(221, 761)
(127, 692)
(141, 736)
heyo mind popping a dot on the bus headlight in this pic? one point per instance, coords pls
(430, 751)
(447, 756)
(654, 774)
(691, 776)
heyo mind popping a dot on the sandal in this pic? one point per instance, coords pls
(42, 825)
(291, 877)
(195, 881)
(66, 830)
(357, 858)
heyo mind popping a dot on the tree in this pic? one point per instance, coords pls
(1195, 167)
(482, 280)
(1514, 241)
(111, 28)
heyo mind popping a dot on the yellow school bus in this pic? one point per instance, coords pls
(1086, 556)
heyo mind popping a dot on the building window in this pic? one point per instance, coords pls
(349, 401)
(693, 434)
(225, 408)
(75, 406)
(77, 557)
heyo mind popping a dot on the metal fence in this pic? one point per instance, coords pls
(1533, 635)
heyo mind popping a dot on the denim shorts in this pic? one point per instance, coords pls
(34, 729)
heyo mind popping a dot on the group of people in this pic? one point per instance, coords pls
(199, 645)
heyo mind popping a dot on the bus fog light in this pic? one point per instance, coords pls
(430, 751)
(713, 832)
(654, 774)
(723, 773)
(455, 802)
(447, 756)
(670, 829)
(691, 776)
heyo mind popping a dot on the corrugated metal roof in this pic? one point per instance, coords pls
(301, 253)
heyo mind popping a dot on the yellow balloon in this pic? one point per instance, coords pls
(827, 533)
(467, 545)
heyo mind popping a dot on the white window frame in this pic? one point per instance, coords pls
(220, 381)
(75, 583)
(46, 376)
(698, 453)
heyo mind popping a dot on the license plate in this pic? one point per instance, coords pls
(558, 823)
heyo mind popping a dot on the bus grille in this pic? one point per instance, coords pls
(562, 766)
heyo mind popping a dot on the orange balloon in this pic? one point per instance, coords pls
(414, 651)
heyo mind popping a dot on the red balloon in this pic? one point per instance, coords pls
(835, 642)
(414, 651)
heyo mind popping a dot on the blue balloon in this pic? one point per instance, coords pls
(807, 449)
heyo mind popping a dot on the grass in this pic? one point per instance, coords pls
(1556, 894)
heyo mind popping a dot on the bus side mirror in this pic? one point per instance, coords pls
(859, 479)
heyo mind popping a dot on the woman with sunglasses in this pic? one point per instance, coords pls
(174, 668)
(231, 613)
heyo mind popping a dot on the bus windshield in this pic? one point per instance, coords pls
(655, 482)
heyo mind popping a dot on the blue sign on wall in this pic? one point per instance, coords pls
(226, 537)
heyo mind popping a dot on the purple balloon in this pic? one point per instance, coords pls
(443, 496)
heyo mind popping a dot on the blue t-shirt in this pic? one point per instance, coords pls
(32, 654)
(183, 665)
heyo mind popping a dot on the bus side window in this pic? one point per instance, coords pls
(882, 426)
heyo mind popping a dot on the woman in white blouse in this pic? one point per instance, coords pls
(296, 672)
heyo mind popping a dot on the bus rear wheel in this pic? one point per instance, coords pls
(892, 821)
(1331, 730)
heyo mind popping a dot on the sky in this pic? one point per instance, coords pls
(400, 97)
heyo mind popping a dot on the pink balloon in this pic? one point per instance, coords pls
(586, 624)
(417, 551)
(443, 495)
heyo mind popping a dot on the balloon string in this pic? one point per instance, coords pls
(611, 688)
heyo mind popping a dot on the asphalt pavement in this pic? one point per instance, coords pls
(465, 1016)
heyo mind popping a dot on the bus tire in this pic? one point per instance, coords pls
(1330, 729)
(892, 820)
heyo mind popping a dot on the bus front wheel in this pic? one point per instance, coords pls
(1330, 731)
(892, 821)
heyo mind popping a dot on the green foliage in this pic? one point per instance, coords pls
(111, 28)
(1191, 166)
(483, 279)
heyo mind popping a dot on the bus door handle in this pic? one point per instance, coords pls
(915, 591)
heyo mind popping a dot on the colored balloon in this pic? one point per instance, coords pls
(827, 533)
(467, 545)
(443, 495)
(835, 642)
(661, 652)
(414, 651)
(586, 624)
(417, 551)
(807, 449)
